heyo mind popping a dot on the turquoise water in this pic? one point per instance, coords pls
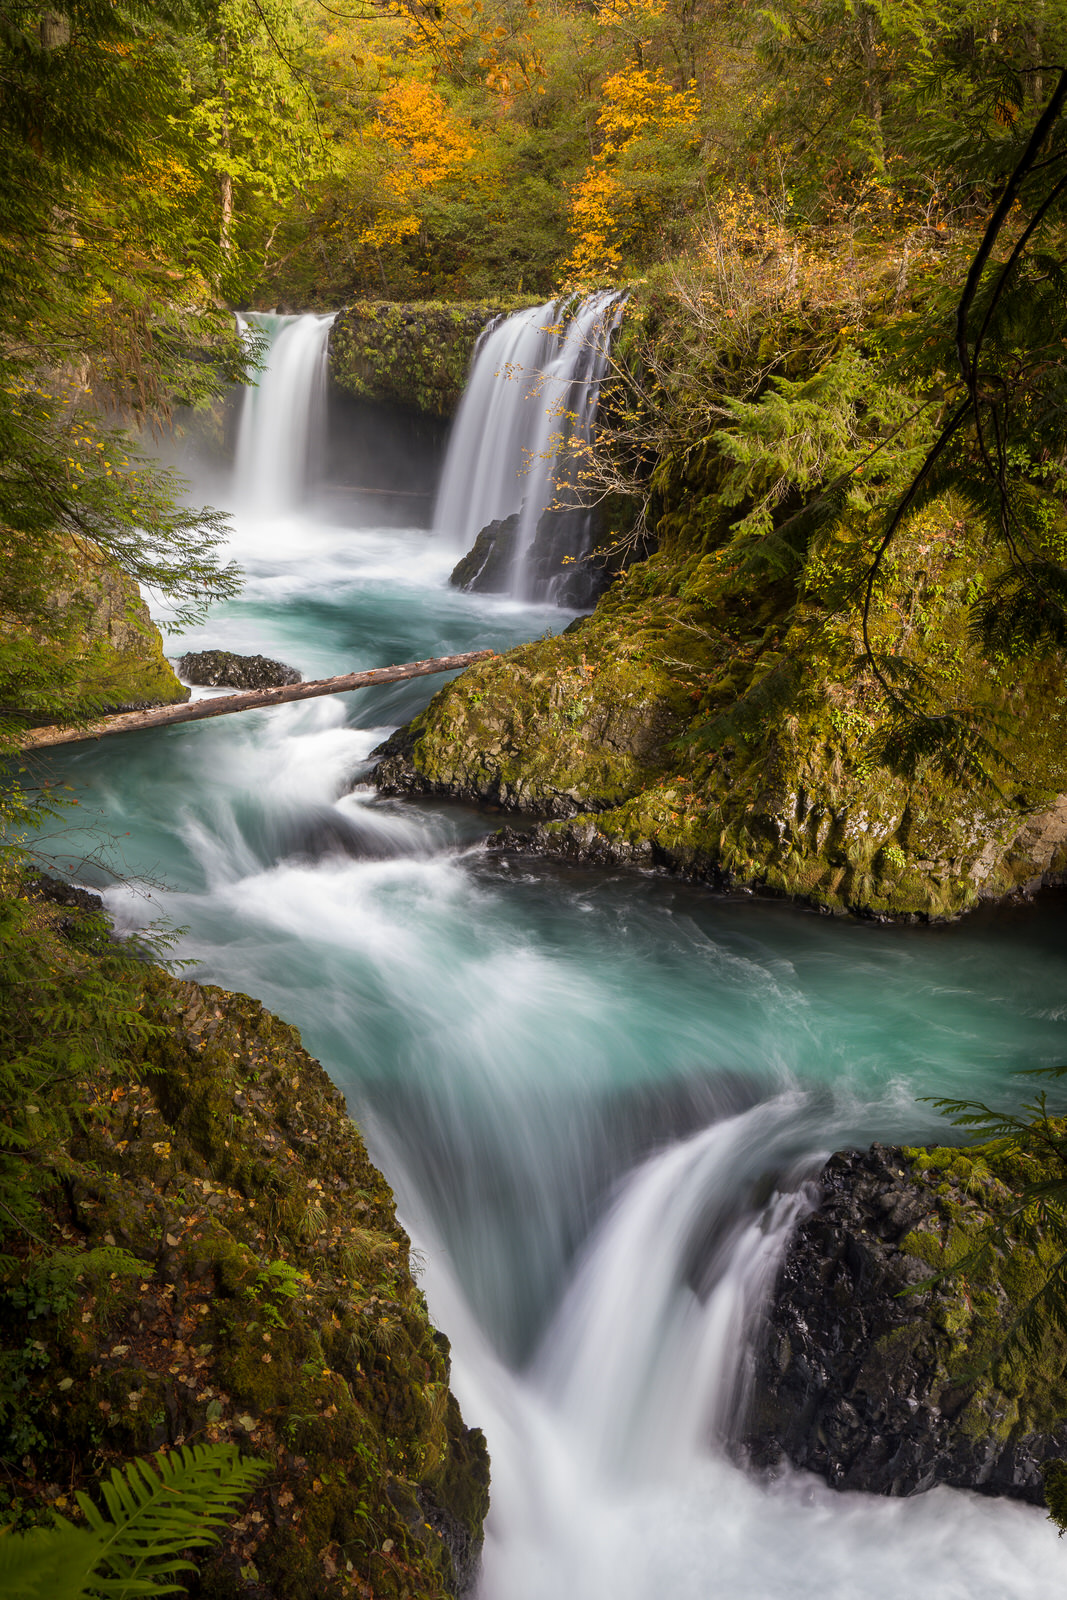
(572, 1079)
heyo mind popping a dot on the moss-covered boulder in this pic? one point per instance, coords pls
(546, 729)
(223, 1262)
(718, 722)
(416, 356)
(877, 1378)
(92, 646)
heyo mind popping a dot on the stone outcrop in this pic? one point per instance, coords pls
(95, 636)
(214, 668)
(710, 722)
(488, 567)
(415, 356)
(224, 1263)
(877, 1379)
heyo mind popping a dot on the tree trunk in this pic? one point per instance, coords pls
(868, 30)
(248, 700)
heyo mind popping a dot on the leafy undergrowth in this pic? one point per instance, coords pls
(199, 1249)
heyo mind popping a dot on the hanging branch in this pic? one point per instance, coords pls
(969, 360)
(247, 700)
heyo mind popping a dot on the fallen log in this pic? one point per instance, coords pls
(247, 700)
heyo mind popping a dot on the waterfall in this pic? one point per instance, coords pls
(497, 419)
(282, 413)
(517, 448)
(566, 418)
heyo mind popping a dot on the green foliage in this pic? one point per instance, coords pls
(153, 1513)
(1028, 1152)
(844, 435)
(70, 1008)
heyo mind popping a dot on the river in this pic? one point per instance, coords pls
(598, 1096)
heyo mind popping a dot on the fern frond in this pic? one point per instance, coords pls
(48, 1563)
(158, 1509)
(954, 742)
(1024, 610)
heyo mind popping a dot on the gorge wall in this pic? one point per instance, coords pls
(415, 356)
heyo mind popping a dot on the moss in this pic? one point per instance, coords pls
(270, 1302)
(415, 356)
(711, 722)
(1010, 1389)
(94, 640)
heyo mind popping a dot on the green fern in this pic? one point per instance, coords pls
(154, 1513)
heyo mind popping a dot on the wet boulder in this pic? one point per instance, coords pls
(215, 668)
(488, 567)
(879, 1376)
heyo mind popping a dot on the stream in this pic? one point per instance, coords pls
(600, 1097)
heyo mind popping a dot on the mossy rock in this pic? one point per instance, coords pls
(713, 723)
(882, 1377)
(234, 1271)
(93, 643)
(415, 355)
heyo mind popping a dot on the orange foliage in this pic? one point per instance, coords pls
(426, 146)
(606, 208)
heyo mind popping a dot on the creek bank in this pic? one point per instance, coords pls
(713, 723)
(223, 1262)
(871, 1382)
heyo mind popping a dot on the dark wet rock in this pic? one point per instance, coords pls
(214, 668)
(58, 893)
(560, 563)
(489, 565)
(880, 1386)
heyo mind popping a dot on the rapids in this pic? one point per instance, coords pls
(600, 1098)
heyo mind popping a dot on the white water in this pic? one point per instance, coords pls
(567, 405)
(527, 415)
(579, 1085)
(488, 452)
(281, 414)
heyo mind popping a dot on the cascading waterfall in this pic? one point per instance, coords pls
(498, 417)
(518, 444)
(566, 418)
(282, 412)
(583, 1088)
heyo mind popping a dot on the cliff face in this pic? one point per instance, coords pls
(877, 1385)
(225, 1264)
(415, 356)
